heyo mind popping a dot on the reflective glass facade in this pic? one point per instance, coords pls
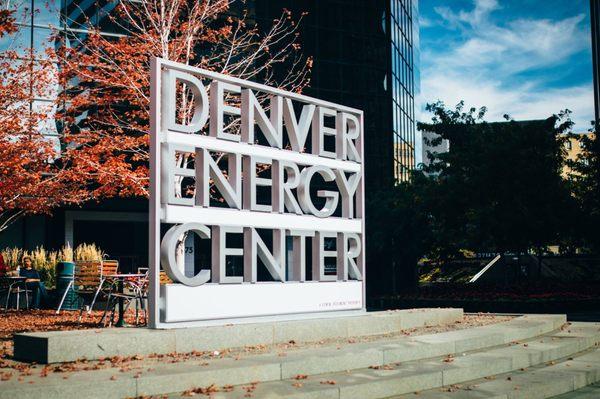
(36, 20)
(366, 56)
(42, 22)
(404, 82)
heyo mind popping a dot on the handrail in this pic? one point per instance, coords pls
(485, 269)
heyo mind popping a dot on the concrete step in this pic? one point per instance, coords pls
(569, 378)
(69, 346)
(589, 392)
(277, 369)
(431, 374)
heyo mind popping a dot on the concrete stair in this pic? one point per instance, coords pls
(567, 378)
(69, 346)
(381, 368)
(433, 378)
(588, 392)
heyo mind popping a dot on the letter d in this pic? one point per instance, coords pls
(169, 102)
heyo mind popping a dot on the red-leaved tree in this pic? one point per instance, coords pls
(31, 181)
(106, 106)
(102, 100)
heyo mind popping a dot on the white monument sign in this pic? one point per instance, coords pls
(230, 163)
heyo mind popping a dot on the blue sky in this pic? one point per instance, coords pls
(526, 58)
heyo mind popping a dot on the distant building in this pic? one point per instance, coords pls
(574, 149)
(572, 145)
(405, 82)
(402, 150)
(428, 147)
(366, 55)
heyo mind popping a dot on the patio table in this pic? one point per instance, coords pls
(16, 280)
(120, 278)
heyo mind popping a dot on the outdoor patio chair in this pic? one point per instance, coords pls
(134, 290)
(90, 281)
(10, 287)
(107, 267)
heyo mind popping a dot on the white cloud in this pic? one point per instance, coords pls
(483, 68)
(425, 22)
(477, 16)
(523, 102)
(522, 45)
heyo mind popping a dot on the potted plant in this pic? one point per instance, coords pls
(65, 270)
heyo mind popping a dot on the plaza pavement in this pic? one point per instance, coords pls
(527, 357)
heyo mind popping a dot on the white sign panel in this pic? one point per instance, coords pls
(272, 180)
(223, 301)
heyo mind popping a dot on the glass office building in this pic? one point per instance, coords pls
(404, 37)
(366, 55)
(42, 24)
(30, 42)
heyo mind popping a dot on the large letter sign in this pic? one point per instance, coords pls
(261, 192)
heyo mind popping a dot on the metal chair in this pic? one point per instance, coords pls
(64, 296)
(11, 286)
(90, 275)
(134, 290)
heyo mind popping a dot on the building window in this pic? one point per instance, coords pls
(568, 145)
(401, 26)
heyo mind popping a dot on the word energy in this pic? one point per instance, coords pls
(273, 179)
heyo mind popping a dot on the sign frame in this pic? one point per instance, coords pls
(158, 211)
